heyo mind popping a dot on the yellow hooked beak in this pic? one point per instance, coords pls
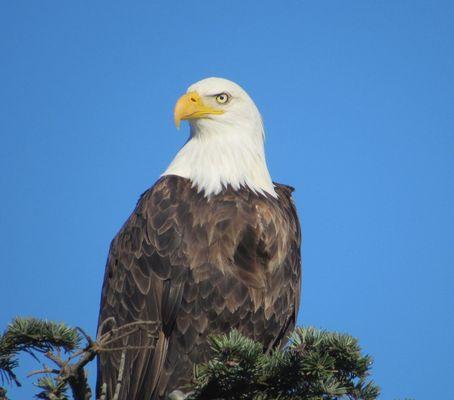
(190, 106)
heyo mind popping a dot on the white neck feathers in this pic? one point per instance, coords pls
(219, 154)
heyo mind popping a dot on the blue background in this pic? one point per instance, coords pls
(358, 102)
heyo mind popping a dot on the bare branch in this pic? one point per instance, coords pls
(113, 331)
(86, 336)
(126, 348)
(103, 392)
(101, 326)
(55, 358)
(117, 338)
(75, 375)
(44, 371)
(120, 375)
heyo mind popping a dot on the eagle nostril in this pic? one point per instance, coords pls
(193, 99)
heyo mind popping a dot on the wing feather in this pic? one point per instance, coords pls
(137, 286)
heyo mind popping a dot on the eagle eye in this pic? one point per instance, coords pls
(223, 98)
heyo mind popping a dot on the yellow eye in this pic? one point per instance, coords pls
(222, 98)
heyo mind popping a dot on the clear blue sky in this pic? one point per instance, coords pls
(358, 102)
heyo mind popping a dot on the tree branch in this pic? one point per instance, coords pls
(120, 375)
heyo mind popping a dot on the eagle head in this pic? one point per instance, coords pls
(226, 146)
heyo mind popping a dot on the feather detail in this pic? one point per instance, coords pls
(197, 266)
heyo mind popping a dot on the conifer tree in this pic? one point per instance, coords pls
(315, 365)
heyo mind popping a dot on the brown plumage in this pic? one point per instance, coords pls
(197, 266)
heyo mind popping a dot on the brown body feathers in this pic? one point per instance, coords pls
(196, 266)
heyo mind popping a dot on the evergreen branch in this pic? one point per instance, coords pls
(33, 336)
(8, 362)
(315, 365)
(28, 334)
(3, 394)
(51, 390)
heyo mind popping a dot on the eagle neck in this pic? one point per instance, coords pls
(216, 156)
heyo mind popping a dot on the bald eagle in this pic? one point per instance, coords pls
(213, 245)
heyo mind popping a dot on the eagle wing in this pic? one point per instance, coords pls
(144, 280)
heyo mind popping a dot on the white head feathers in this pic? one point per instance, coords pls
(226, 145)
